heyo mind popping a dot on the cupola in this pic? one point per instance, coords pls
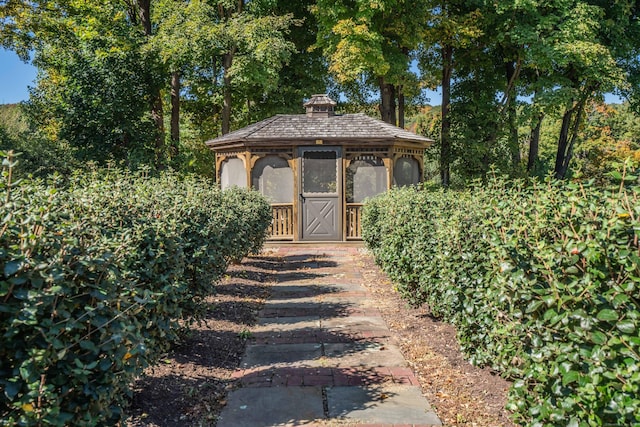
(320, 106)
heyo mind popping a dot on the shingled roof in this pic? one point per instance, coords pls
(300, 127)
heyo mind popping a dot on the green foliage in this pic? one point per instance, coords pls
(102, 70)
(94, 88)
(12, 119)
(558, 55)
(305, 72)
(97, 78)
(607, 141)
(540, 280)
(238, 49)
(194, 157)
(38, 156)
(369, 37)
(369, 45)
(98, 278)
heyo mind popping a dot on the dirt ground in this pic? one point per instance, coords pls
(189, 386)
(461, 394)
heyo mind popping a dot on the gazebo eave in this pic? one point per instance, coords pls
(287, 142)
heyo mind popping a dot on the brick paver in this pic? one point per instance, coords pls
(321, 353)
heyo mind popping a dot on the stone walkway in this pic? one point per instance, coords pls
(321, 354)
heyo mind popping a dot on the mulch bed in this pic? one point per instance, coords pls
(461, 394)
(189, 386)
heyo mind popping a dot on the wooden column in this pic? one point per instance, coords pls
(293, 164)
(388, 163)
(343, 193)
(248, 166)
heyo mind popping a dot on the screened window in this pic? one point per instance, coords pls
(233, 174)
(320, 172)
(406, 172)
(273, 178)
(366, 177)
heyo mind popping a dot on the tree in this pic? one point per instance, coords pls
(371, 42)
(140, 11)
(303, 75)
(37, 155)
(97, 81)
(607, 140)
(572, 52)
(105, 66)
(452, 27)
(559, 54)
(224, 50)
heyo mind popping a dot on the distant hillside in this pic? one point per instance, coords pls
(12, 119)
(426, 121)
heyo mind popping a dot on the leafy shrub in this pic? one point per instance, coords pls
(99, 276)
(541, 282)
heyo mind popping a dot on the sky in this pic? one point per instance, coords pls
(16, 77)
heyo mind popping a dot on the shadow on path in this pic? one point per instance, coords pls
(320, 353)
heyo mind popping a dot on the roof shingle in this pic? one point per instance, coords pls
(302, 127)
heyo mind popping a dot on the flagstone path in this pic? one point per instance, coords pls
(321, 354)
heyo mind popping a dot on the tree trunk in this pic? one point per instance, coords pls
(563, 141)
(227, 62)
(157, 112)
(534, 143)
(568, 135)
(514, 146)
(175, 113)
(144, 12)
(227, 96)
(157, 115)
(445, 129)
(400, 94)
(388, 101)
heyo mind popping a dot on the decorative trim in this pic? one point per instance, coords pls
(408, 152)
(267, 151)
(352, 159)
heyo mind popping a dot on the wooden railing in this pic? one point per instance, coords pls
(354, 220)
(282, 223)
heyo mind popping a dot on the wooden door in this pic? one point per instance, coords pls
(321, 195)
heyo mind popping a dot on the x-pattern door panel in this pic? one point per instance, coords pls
(321, 218)
(320, 182)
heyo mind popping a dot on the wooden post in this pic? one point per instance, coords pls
(388, 163)
(220, 158)
(248, 167)
(343, 194)
(293, 164)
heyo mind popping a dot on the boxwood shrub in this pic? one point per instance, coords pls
(541, 280)
(99, 273)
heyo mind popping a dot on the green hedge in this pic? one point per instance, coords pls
(542, 282)
(99, 275)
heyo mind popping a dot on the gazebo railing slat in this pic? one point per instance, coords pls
(354, 220)
(282, 223)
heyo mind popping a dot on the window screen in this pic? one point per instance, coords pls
(273, 178)
(406, 172)
(233, 174)
(366, 177)
(320, 172)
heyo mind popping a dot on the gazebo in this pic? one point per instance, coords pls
(316, 169)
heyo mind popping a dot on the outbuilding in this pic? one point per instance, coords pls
(316, 169)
